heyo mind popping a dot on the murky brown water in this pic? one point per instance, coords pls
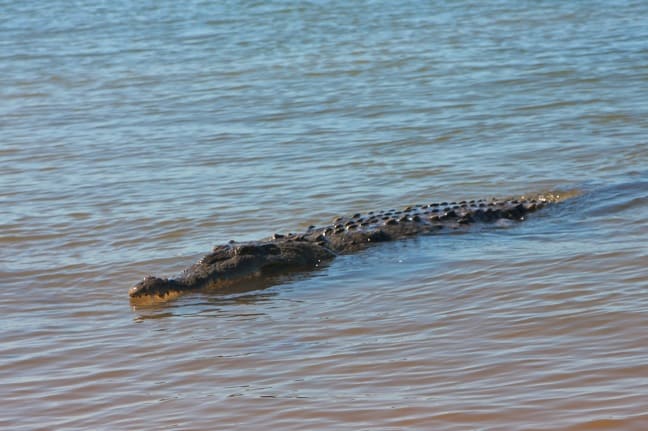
(134, 136)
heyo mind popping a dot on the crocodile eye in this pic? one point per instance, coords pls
(243, 249)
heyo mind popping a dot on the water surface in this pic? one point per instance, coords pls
(136, 135)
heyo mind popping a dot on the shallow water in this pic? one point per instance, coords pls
(136, 135)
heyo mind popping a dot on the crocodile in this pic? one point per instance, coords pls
(235, 262)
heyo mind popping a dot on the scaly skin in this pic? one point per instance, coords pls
(233, 263)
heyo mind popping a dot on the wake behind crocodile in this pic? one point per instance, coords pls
(236, 263)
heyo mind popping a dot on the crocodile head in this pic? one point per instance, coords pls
(156, 287)
(233, 264)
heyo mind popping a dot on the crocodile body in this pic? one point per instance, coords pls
(236, 262)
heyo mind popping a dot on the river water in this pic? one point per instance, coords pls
(136, 135)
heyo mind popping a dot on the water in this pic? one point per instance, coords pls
(135, 135)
